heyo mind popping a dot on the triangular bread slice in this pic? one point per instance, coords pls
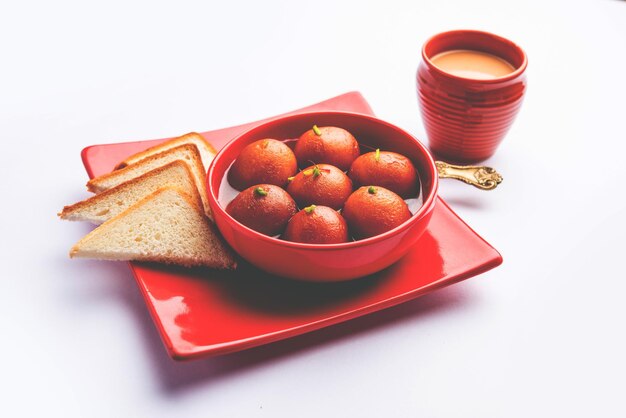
(207, 152)
(168, 226)
(104, 206)
(188, 153)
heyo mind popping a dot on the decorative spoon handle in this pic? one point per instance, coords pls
(480, 176)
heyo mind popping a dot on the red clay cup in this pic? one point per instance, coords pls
(465, 118)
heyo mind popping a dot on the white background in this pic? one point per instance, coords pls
(542, 335)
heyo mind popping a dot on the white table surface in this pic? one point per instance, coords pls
(542, 335)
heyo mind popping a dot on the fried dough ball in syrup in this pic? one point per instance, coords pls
(322, 185)
(373, 210)
(387, 169)
(266, 208)
(266, 161)
(317, 225)
(327, 145)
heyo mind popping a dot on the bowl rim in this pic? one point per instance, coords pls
(497, 38)
(427, 205)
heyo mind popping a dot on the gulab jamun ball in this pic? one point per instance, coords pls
(372, 210)
(317, 225)
(266, 208)
(387, 169)
(327, 145)
(266, 161)
(321, 184)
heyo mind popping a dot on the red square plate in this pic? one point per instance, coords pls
(201, 312)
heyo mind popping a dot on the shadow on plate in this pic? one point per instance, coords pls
(176, 377)
(281, 297)
(257, 290)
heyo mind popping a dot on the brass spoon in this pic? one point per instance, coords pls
(480, 176)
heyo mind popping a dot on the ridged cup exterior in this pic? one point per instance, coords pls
(467, 119)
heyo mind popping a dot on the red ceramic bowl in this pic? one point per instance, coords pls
(327, 262)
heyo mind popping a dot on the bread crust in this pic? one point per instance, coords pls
(94, 185)
(163, 147)
(67, 211)
(228, 263)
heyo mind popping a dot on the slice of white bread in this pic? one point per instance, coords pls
(104, 206)
(167, 226)
(188, 153)
(207, 152)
